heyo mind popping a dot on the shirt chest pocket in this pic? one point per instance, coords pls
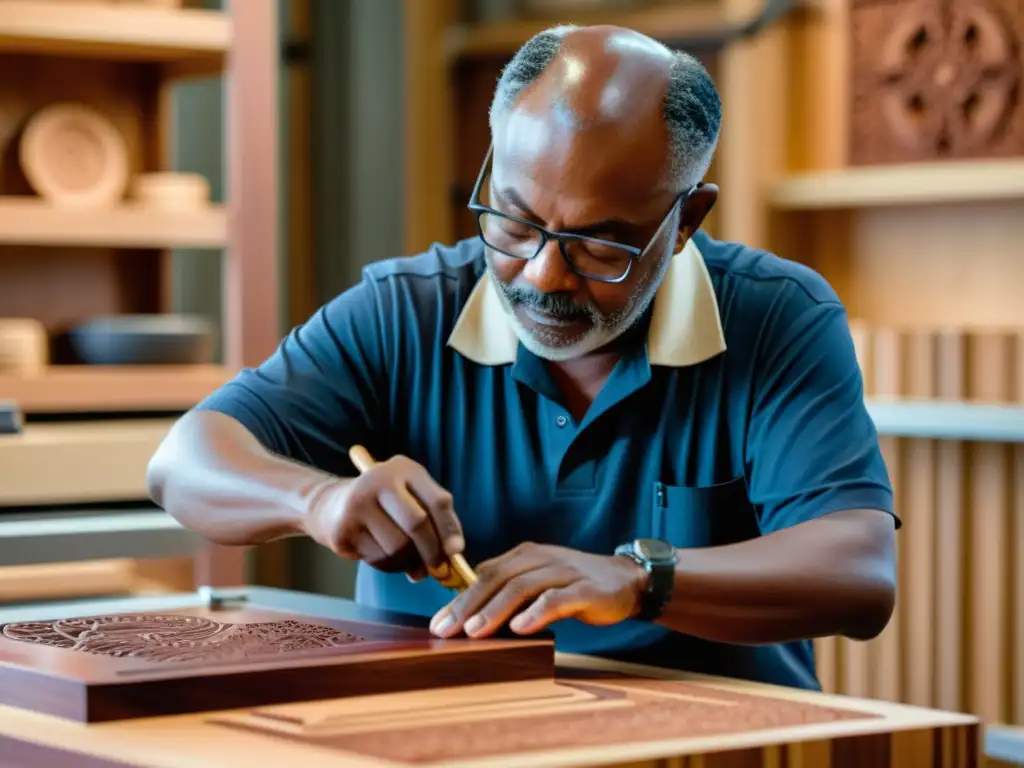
(703, 516)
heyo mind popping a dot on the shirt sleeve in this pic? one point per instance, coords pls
(323, 390)
(812, 447)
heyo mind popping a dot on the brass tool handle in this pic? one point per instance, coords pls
(456, 574)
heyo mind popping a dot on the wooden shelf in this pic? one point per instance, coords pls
(103, 30)
(29, 221)
(78, 462)
(31, 538)
(502, 39)
(916, 184)
(980, 422)
(70, 389)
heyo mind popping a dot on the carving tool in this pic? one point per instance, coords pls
(456, 573)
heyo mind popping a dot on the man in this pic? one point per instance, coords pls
(588, 372)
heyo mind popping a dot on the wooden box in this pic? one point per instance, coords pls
(936, 79)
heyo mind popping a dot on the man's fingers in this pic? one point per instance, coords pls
(516, 593)
(439, 505)
(394, 549)
(491, 579)
(407, 513)
(552, 605)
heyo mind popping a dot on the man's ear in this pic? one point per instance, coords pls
(695, 210)
(698, 207)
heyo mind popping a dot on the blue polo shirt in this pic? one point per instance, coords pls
(737, 411)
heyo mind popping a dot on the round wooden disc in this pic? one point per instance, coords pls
(73, 156)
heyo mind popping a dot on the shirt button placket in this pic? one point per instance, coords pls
(561, 421)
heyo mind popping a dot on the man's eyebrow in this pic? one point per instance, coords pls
(510, 195)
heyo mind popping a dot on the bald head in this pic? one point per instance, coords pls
(625, 85)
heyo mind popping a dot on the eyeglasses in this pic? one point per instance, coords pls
(605, 261)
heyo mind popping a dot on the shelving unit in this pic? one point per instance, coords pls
(123, 58)
(62, 265)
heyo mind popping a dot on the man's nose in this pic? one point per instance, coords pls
(548, 271)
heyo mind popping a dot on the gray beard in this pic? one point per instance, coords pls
(548, 343)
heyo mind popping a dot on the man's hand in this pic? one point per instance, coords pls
(393, 516)
(539, 584)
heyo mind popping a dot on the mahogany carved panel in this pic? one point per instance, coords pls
(129, 665)
(936, 80)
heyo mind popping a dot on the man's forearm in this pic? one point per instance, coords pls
(215, 478)
(832, 576)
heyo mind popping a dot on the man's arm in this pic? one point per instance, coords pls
(245, 465)
(816, 477)
(213, 476)
(830, 576)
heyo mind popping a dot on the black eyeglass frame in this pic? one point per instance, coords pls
(635, 254)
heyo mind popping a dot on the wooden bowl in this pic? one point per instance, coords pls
(144, 340)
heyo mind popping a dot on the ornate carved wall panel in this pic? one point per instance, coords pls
(936, 80)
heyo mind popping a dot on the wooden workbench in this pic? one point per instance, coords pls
(593, 713)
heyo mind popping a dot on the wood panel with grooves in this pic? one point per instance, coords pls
(955, 639)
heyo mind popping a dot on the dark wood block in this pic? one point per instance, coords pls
(181, 660)
(936, 80)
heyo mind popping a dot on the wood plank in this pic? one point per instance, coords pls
(78, 462)
(662, 22)
(31, 221)
(990, 367)
(951, 509)
(65, 581)
(116, 31)
(916, 184)
(948, 419)
(253, 267)
(753, 78)
(76, 388)
(428, 115)
(918, 510)
(886, 662)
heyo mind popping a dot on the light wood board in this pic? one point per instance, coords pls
(884, 734)
(78, 462)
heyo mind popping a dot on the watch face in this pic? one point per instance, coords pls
(655, 551)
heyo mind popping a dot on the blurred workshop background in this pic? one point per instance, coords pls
(182, 182)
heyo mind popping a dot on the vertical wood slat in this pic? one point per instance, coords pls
(949, 550)
(1017, 638)
(885, 662)
(849, 659)
(917, 511)
(990, 358)
(1016, 675)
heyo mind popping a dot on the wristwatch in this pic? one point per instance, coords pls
(658, 558)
